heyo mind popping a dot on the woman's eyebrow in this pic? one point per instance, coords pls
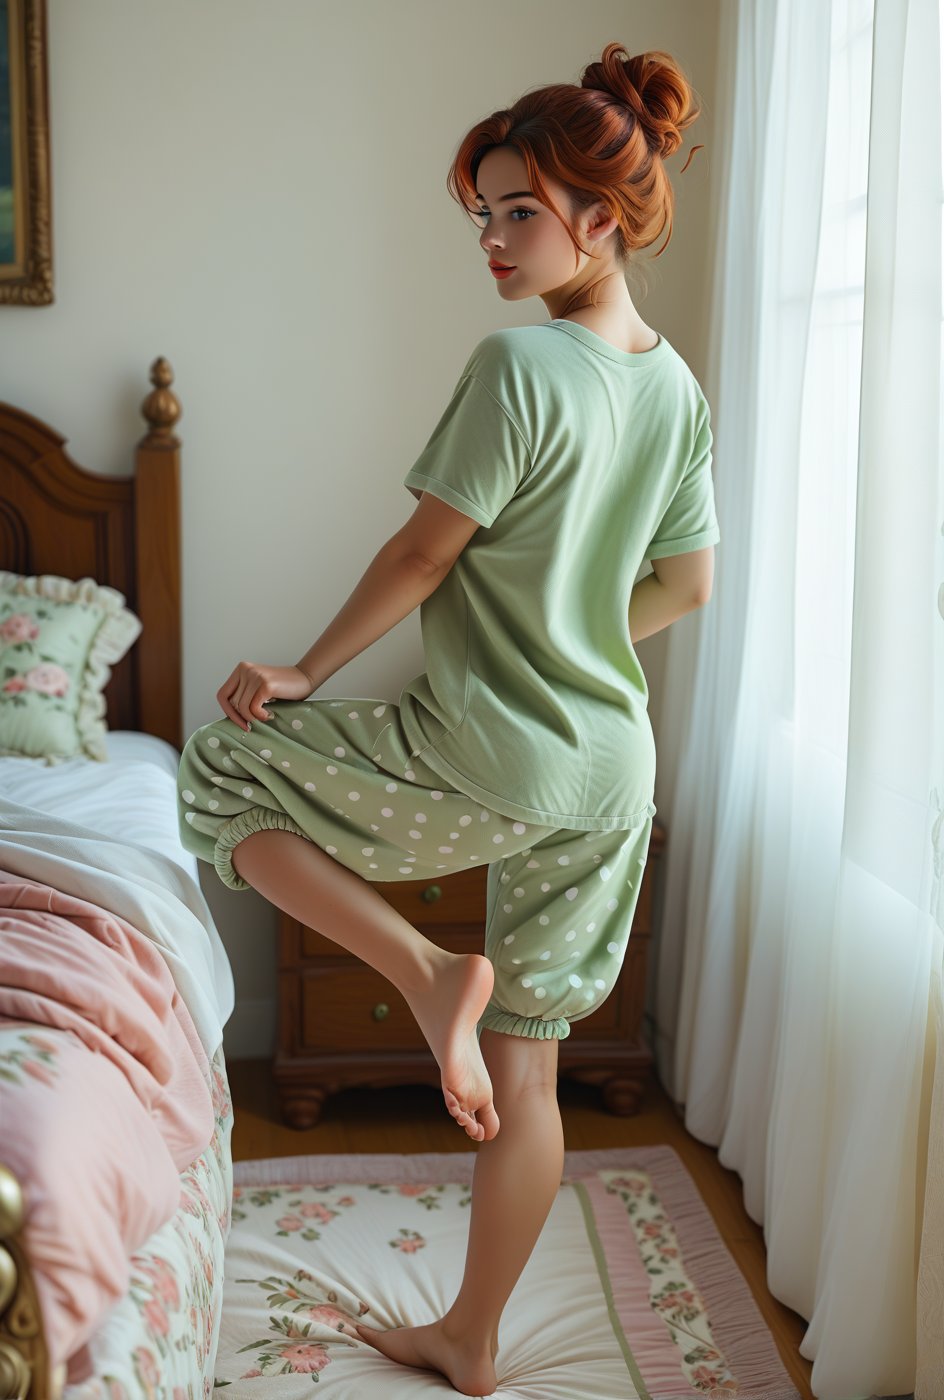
(518, 194)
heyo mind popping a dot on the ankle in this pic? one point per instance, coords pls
(470, 1337)
(427, 972)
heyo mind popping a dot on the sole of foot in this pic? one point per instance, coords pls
(448, 1013)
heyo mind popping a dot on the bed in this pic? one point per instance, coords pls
(115, 1115)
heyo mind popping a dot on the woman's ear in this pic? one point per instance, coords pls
(600, 224)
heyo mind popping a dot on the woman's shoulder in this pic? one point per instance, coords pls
(510, 356)
(506, 343)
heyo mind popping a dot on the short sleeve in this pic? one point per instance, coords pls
(690, 521)
(477, 456)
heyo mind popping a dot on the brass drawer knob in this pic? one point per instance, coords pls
(431, 893)
(381, 1011)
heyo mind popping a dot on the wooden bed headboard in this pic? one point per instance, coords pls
(57, 517)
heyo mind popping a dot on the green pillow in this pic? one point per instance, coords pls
(59, 639)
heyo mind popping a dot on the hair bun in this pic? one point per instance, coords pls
(654, 89)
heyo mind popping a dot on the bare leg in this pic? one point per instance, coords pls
(447, 992)
(516, 1180)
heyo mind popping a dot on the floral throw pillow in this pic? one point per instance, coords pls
(59, 639)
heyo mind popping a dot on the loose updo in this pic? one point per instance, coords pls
(605, 140)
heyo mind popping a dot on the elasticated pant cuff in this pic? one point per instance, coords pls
(243, 825)
(531, 1026)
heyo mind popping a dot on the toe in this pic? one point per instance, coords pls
(454, 1106)
(489, 1121)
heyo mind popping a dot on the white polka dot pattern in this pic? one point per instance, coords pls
(344, 774)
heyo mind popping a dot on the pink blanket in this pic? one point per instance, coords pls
(99, 1116)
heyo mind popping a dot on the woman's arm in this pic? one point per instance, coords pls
(678, 584)
(392, 585)
(402, 574)
(654, 605)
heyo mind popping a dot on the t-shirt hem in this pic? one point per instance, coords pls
(449, 495)
(538, 817)
(684, 544)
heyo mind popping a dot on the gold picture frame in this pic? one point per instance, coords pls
(25, 183)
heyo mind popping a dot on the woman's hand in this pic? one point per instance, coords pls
(250, 686)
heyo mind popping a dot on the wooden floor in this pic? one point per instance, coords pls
(412, 1118)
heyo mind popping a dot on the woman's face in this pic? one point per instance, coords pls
(529, 236)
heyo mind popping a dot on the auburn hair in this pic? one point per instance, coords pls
(605, 140)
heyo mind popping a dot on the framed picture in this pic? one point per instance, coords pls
(25, 194)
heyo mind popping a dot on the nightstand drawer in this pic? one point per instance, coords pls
(448, 912)
(354, 1008)
(464, 939)
(459, 900)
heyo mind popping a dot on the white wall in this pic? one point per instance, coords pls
(257, 191)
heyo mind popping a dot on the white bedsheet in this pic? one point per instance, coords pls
(131, 797)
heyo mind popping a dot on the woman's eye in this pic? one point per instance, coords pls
(484, 214)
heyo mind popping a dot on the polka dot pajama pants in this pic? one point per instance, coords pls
(340, 773)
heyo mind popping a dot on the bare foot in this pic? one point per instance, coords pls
(470, 1369)
(447, 1011)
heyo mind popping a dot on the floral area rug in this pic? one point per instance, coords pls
(630, 1291)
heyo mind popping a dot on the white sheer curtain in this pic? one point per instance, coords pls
(798, 1001)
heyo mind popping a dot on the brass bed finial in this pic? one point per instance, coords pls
(23, 1362)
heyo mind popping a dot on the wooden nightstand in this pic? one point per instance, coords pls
(342, 1023)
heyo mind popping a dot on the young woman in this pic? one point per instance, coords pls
(569, 452)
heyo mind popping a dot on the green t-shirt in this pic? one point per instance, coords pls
(579, 461)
